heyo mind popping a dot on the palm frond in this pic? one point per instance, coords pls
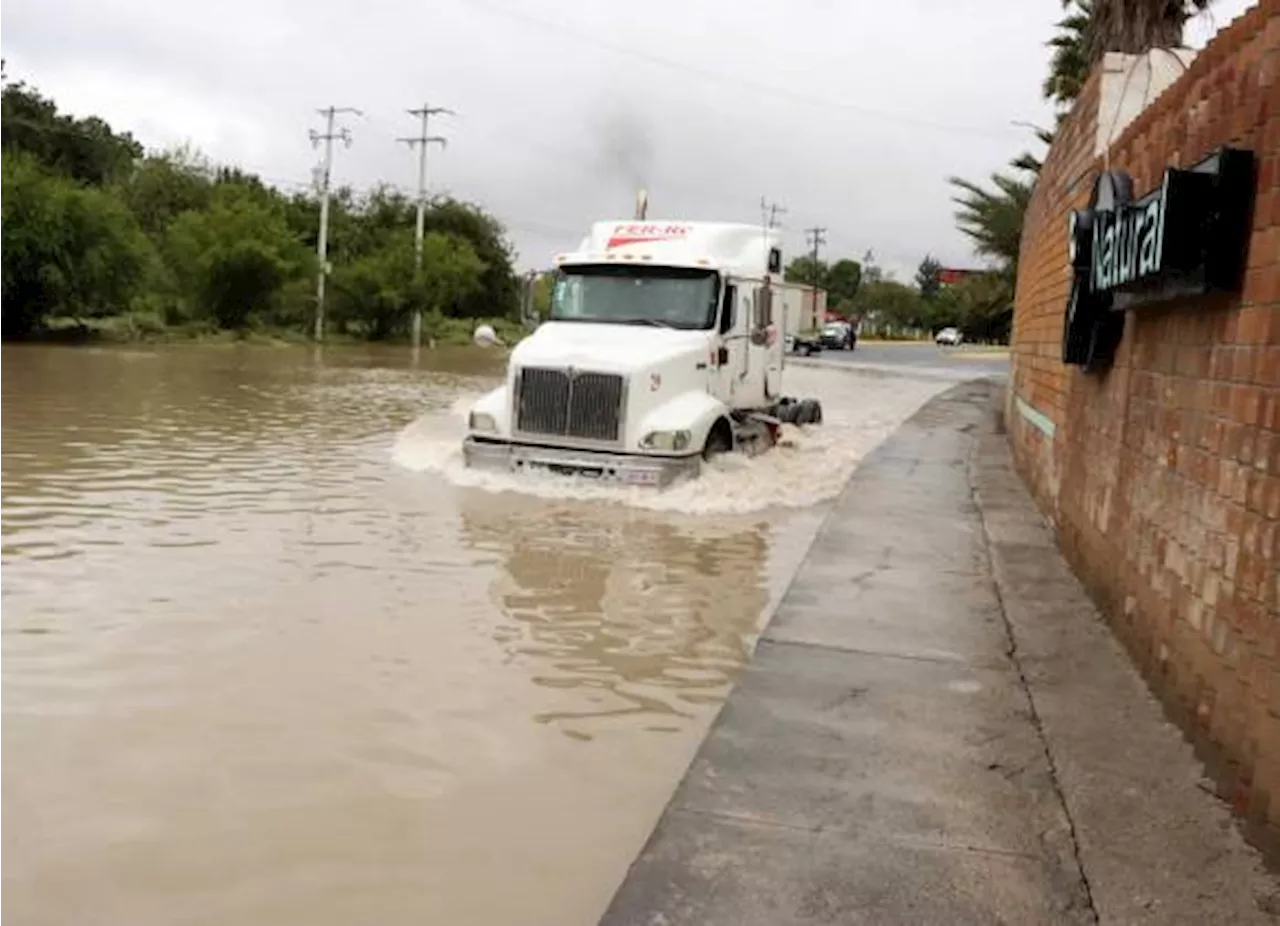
(1094, 27)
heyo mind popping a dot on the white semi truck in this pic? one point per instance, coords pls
(661, 350)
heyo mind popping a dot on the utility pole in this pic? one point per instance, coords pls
(816, 238)
(422, 141)
(331, 131)
(769, 213)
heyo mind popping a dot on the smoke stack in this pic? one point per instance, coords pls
(642, 205)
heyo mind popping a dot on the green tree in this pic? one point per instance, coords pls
(543, 286)
(362, 226)
(91, 228)
(801, 270)
(1091, 28)
(1070, 62)
(83, 149)
(889, 305)
(1134, 27)
(980, 305)
(68, 249)
(164, 186)
(842, 281)
(233, 259)
(379, 292)
(927, 277)
(499, 290)
(376, 292)
(452, 273)
(992, 216)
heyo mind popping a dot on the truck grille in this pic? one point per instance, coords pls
(564, 403)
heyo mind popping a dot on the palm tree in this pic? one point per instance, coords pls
(1028, 161)
(1094, 27)
(1069, 66)
(1137, 26)
(992, 218)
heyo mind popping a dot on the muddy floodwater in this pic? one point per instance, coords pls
(271, 655)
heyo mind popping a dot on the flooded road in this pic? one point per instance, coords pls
(272, 656)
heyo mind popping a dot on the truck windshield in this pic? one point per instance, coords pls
(668, 297)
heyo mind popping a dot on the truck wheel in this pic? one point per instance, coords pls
(809, 411)
(718, 441)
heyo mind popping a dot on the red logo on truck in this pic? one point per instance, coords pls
(640, 233)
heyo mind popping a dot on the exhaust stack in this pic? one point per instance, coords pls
(642, 204)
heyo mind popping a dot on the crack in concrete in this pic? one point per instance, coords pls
(885, 838)
(913, 657)
(1033, 712)
(750, 820)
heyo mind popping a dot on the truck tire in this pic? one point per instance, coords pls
(809, 411)
(719, 441)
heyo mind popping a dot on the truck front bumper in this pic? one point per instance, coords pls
(624, 469)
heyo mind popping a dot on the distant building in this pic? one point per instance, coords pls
(813, 315)
(948, 275)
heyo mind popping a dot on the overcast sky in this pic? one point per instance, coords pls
(850, 115)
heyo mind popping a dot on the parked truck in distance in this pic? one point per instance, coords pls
(800, 319)
(664, 347)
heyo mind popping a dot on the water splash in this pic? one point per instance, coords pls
(809, 466)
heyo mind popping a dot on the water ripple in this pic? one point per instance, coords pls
(233, 627)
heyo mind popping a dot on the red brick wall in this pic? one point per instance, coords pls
(1162, 475)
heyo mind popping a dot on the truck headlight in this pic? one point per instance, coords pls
(666, 440)
(481, 421)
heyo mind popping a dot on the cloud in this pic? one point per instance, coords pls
(850, 115)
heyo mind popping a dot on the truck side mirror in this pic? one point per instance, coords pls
(728, 311)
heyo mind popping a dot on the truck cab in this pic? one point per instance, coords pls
(660, 350)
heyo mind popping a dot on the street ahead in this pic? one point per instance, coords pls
(914, 357)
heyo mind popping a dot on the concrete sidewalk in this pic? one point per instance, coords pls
(937, 728)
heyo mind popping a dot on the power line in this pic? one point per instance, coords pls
(795, 96)
(322, 247)
(518, 224)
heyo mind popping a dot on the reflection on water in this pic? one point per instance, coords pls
(639, 616)
(255, 672)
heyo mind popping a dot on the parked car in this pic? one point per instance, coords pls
(839, 336)
(802, 344)
(948, 336)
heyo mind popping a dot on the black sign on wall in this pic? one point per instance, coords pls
(1187, 237)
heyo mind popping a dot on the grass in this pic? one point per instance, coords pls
(150, 328)
(458, 331)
